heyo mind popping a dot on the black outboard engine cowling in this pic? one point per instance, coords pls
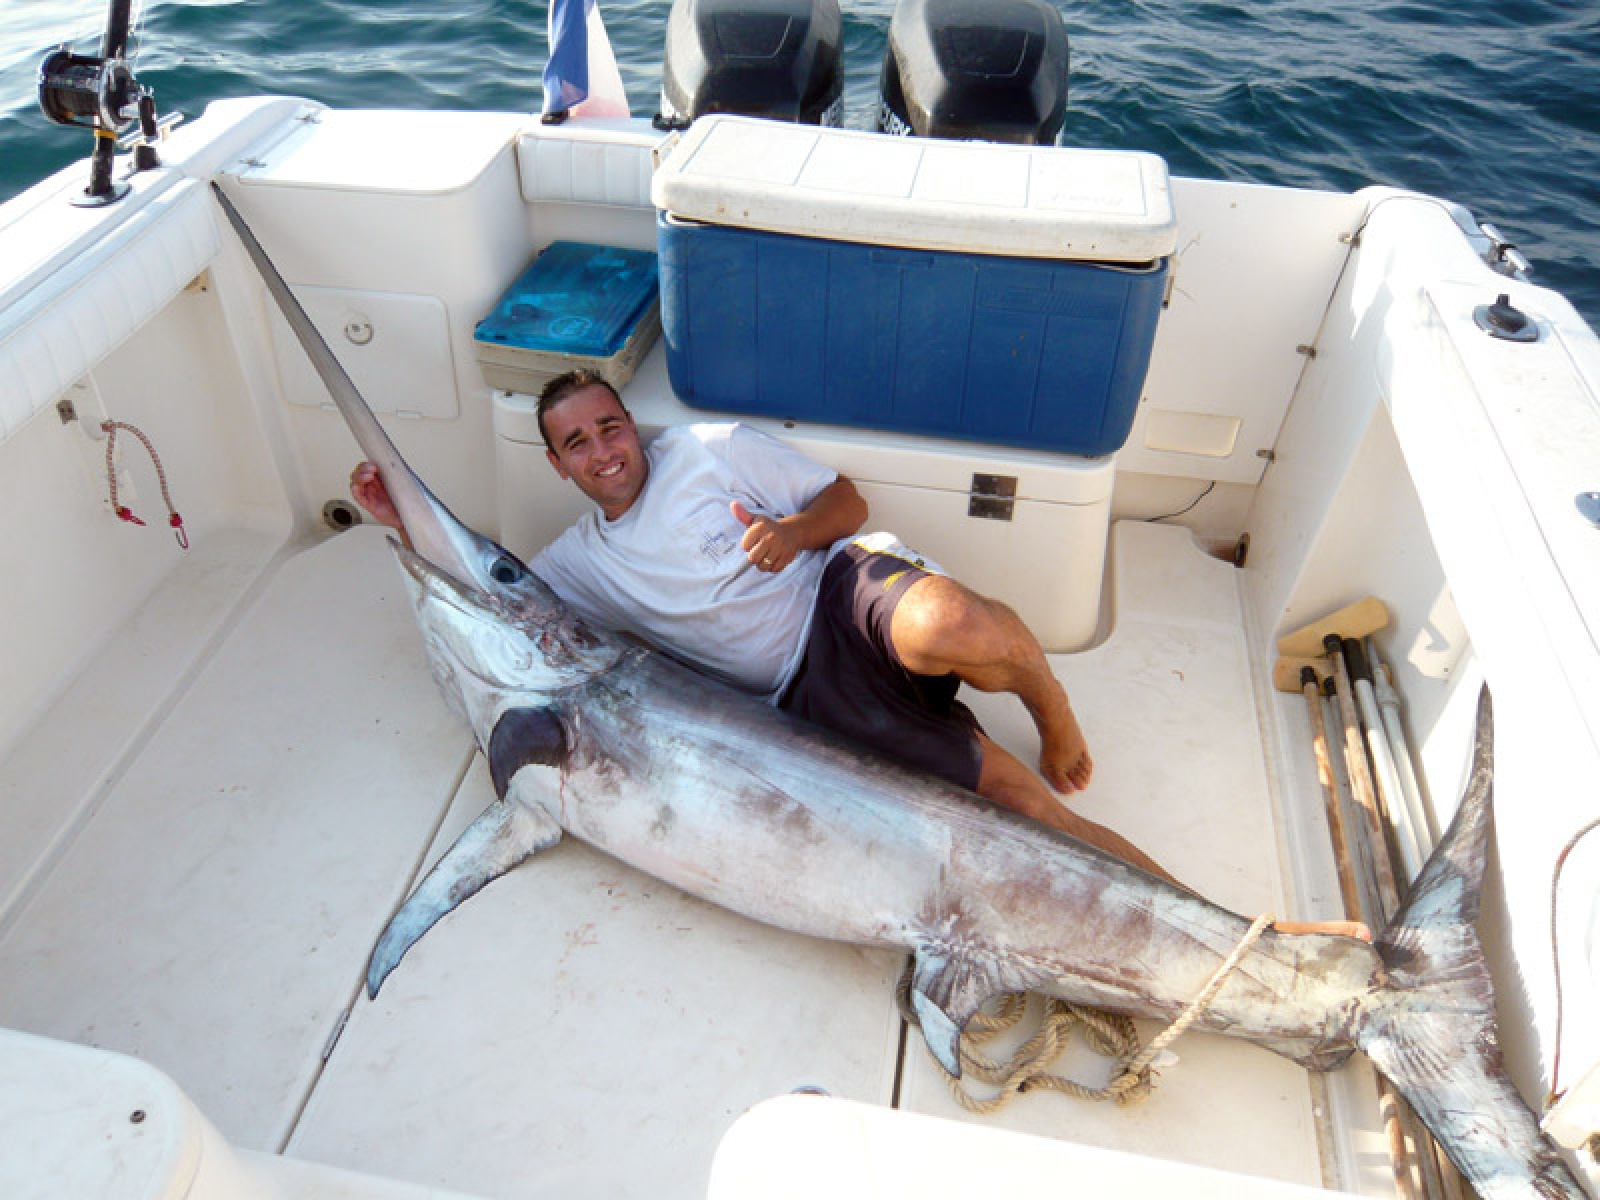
(995, 70)
(758, 58)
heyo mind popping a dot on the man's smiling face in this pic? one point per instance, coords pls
(593, 442)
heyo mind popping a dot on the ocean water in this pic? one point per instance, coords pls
(1493, 103)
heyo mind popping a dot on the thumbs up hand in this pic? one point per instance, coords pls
(770, 545)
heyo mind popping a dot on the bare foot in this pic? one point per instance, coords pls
(1350, 929)
(1064, 758)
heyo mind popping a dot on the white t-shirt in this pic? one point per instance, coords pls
(670, 569)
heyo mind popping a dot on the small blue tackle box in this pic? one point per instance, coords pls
(576, 305)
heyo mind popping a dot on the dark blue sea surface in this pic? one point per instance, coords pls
(1493, 103)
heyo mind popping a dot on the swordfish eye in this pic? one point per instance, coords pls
(506, 569)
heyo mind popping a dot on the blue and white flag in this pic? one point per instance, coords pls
(581, 73)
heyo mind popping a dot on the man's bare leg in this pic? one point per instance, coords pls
(1004, 779)
(941, 627)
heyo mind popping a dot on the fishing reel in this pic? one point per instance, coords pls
(100, 93)
(79, 89)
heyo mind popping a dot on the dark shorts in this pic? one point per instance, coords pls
(852, 682)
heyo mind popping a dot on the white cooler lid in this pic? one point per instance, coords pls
(919, 193)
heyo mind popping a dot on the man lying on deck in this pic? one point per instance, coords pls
(736, 554)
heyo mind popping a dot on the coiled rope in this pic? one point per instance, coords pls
(1109, 1034)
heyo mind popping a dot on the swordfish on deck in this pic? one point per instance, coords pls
(740, 804)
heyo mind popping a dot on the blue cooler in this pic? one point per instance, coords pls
(1003, 294)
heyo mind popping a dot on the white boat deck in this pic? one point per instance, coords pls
(577, 1028)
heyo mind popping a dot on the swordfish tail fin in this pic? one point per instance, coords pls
(1429, 1024)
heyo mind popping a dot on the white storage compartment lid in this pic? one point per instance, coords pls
(80, 1121)
(919, 193)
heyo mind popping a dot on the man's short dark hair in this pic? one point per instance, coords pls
(562, 386)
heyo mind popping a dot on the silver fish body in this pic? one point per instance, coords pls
(789, 824)
(742, 805)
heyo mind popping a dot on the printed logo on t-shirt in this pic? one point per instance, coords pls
(716, 543)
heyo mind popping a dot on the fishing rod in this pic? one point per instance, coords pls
(100, 93)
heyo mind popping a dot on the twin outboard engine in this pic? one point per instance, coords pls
(759, 58)
(995, 70)
(989, 69)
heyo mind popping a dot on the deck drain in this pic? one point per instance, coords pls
(339, 514)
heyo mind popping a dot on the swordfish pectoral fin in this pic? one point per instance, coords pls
(504, 835)
(524, 737)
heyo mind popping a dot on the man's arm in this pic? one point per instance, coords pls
(837, 511)
(367, 488)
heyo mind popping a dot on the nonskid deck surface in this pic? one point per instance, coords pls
(578, 1028)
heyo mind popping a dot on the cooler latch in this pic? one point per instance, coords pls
(992, 497)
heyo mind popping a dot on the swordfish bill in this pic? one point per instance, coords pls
(733, 801)
(433, 531)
